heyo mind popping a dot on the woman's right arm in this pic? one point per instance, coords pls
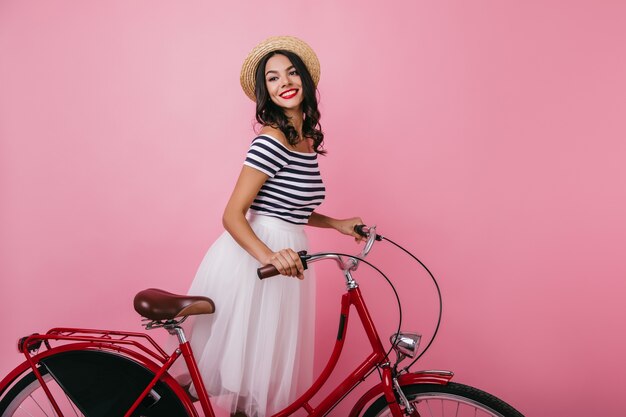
(234, 220)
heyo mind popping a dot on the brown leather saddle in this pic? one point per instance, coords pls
(156, 304)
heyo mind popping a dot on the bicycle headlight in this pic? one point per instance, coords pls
(405, 344)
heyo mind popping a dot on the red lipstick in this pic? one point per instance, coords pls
(289, 93)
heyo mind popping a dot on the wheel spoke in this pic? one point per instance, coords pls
(38, 405)
(28, 413)
(74, 408)
(429, 410)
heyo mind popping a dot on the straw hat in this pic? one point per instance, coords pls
(287, 43)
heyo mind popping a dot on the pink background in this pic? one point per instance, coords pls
(488, 137)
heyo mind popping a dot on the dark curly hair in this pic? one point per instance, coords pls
(268, 113)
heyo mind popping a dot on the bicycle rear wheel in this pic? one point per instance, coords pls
(450, 400)
(27, 398)
(91, 384)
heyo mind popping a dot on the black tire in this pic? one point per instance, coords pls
(91, 384)
(453, 399)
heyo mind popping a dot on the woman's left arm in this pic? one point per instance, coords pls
(345, 226)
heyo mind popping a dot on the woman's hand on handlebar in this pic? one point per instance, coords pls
(287, 262)
(346, 226)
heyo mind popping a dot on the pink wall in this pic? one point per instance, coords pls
(486, 136)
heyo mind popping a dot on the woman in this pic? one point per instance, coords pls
(256, 352)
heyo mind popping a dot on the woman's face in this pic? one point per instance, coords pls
(283, 82)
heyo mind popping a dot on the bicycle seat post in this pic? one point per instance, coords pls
(175, 330)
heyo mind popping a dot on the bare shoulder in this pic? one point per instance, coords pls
(275, 133)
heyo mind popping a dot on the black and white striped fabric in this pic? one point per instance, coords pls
(294, 187)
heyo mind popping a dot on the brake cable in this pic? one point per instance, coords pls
(432, 339)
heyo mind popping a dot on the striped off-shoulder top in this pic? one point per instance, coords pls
(294, 187)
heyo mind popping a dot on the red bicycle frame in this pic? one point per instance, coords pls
(352, 297)
(144, 350)
(377, 358)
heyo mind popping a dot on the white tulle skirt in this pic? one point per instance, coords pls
(255, 353)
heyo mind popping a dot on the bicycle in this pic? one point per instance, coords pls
(87, 372)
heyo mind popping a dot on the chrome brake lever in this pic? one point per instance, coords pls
(352, 264)
(370, 241)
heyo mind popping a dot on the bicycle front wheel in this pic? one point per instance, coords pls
(450, 400)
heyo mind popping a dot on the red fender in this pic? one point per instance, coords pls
(421, 377)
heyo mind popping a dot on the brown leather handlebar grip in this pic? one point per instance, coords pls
(267, 271)
(271, 271)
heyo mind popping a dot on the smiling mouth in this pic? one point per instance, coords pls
(289, 94)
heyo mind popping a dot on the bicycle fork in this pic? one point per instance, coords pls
(394, 395)
(409, 410)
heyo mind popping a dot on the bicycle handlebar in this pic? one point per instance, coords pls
(270, 270)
